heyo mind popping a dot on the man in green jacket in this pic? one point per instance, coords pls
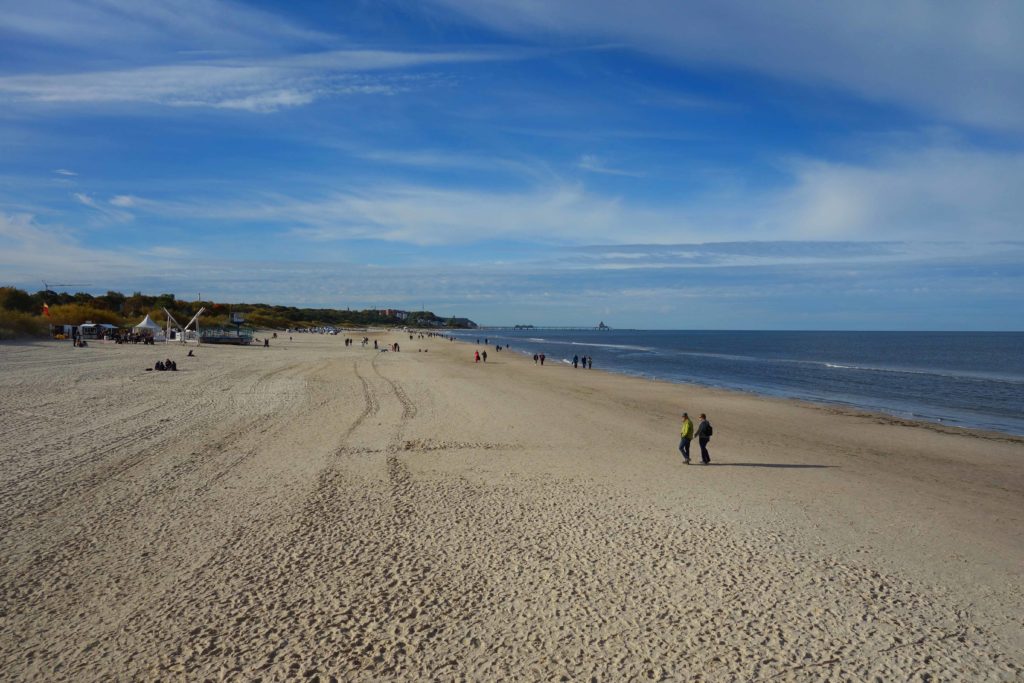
(685, 435)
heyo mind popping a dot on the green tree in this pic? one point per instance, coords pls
(113, 301)
(14, 299)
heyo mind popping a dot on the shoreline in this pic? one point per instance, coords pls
(902, 415)
(837, 407)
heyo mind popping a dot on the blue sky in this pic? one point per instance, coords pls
(785, 165)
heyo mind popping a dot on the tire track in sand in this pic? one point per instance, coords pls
(370, 404)
(400, 482)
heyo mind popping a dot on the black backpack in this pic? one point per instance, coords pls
(710, 430)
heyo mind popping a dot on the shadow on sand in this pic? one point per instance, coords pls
(770, 464)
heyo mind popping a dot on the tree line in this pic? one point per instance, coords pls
(22, 314)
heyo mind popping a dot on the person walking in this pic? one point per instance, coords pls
(535, 358)
(576, 361)
(477, 358)
(484, 356)
(685, 436)
(542, 357)
(703, 435)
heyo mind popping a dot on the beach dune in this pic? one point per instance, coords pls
(315, 510)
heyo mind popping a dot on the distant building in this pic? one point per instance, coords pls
(393, 313)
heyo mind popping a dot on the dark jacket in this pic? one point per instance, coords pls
(702, 430)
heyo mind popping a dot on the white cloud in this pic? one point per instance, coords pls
(432, 215)
(85, 199)
(956, 61)
(594, 164)
(922, 194)
(64, 172)
(31, 249)
(116, 215)
(928, 192)
(116, 25)
(259, 85)
(435, 159)
(166, 252)
(124, 200)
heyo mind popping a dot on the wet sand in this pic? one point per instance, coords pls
(311, 510)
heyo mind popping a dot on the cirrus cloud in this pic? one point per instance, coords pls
(255, 85)
(960, 62)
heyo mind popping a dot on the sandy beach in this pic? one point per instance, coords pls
(317, 511)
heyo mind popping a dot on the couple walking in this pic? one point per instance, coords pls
(702, 434)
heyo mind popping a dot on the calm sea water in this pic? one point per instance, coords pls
(971, 379)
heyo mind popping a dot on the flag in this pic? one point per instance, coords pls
(46, 310)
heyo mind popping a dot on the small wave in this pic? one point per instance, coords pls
(624, 347)
(621, 347)
(949, 374)
(723, 356)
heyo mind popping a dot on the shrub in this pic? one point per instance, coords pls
(76, 314)
(18, 325)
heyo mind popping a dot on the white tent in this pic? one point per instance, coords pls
(148, 326)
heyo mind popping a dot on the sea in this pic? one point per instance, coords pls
(966, 379)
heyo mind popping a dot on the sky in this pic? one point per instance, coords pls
(651, 164)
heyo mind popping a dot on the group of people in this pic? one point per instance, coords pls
(702, 433)
(584, 362)
(166, 365)
(539, 357)
(125, 337)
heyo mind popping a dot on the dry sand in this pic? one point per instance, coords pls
(314, 510)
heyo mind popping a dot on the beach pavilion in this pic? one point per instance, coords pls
(150, 328)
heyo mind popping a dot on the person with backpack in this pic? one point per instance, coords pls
(703, 434)
(685, 436)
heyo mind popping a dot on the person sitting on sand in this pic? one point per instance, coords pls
(190, 354)
(159, 366)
